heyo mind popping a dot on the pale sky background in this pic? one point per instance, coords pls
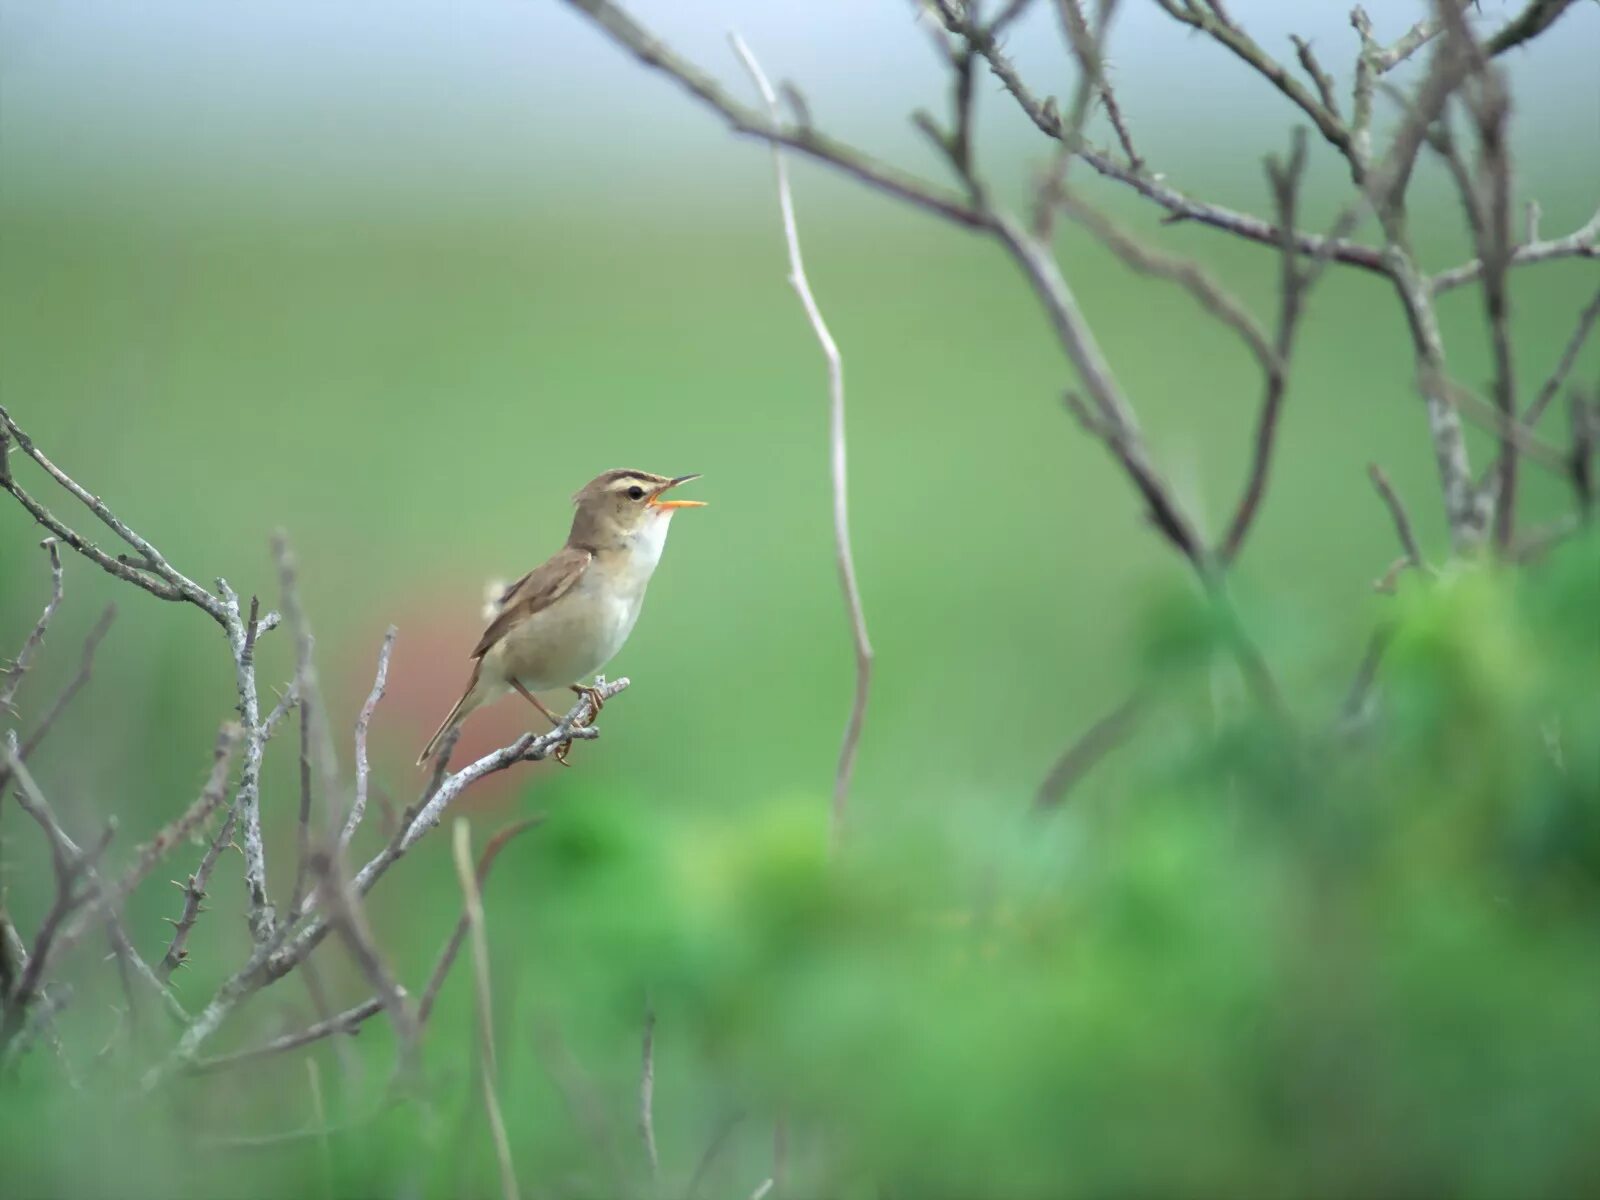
(402, 103)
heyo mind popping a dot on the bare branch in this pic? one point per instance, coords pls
(487, 1069)
(1104, 736)
(1213, 298)
(1232, 36)
(358, 807)
(1491, 109)
(246, 815)
(72, 866)
(627, 32)
(110, 898)
(1533, 20)
(452, 947)
(13, 676)
(348, 1021)
(85, 672)
(1319, 76)
(351, 1019)
(1358, 698)
(647, 1092)
(342, 911)
(843, 555)
(1563, 368)
(194, 893)
(1402, 527)
(1585, 434)
(1285, 180)
(316, 733)
(170, 583)
(280, 954)
(1583, 242)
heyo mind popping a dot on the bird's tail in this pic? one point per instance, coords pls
(470, 700)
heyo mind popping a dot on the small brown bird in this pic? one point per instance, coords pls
(566, 618)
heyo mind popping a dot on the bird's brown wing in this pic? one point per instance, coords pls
(539, 588)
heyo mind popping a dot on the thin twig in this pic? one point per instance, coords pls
(1104, 736)
(1285, 180)
(13, 676)
(1585, 421)
(1563, 368)
(276, 958)
(358, 806)
(71, 866)
(342, 909)
(85, 672)
(452, 947)
(487, 1069)
(1583, 242)
(348, 1021)
(1214, 299)
(651, 51)
(171, 585)
(110, 898)
(194, 894)
(708, 1156)
(843, 555)
(1397, 512)
(647, 1091)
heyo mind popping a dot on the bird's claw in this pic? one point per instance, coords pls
(594, 696)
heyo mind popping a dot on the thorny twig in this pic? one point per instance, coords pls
(351, 1019)
(275, 960)
(147, 857)
(19, 666)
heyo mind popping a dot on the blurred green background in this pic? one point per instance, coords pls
(307, 271)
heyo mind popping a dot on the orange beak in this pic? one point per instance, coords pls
(657, 502)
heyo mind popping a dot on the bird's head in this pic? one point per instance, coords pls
(618, 506)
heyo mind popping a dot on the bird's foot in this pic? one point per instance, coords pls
(594, 696)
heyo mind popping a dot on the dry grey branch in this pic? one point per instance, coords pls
(348, 1021)
(843, 555)
(1227, 33)
(342, 910)
(1582, 242)
(194, 894)
(358, 806)
(647, 1091)
(169, 584)
(91, 644)
(24, 659)
(488, 1070)
(72, 866)
(628, 33)
(1215, 300)
(280, 955)
(351, 1019)
(111, 897)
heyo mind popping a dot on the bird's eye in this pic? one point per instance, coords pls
(636, 492)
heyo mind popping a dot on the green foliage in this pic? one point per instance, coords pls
(1319, 961)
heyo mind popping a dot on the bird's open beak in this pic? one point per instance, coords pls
(657, 502)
